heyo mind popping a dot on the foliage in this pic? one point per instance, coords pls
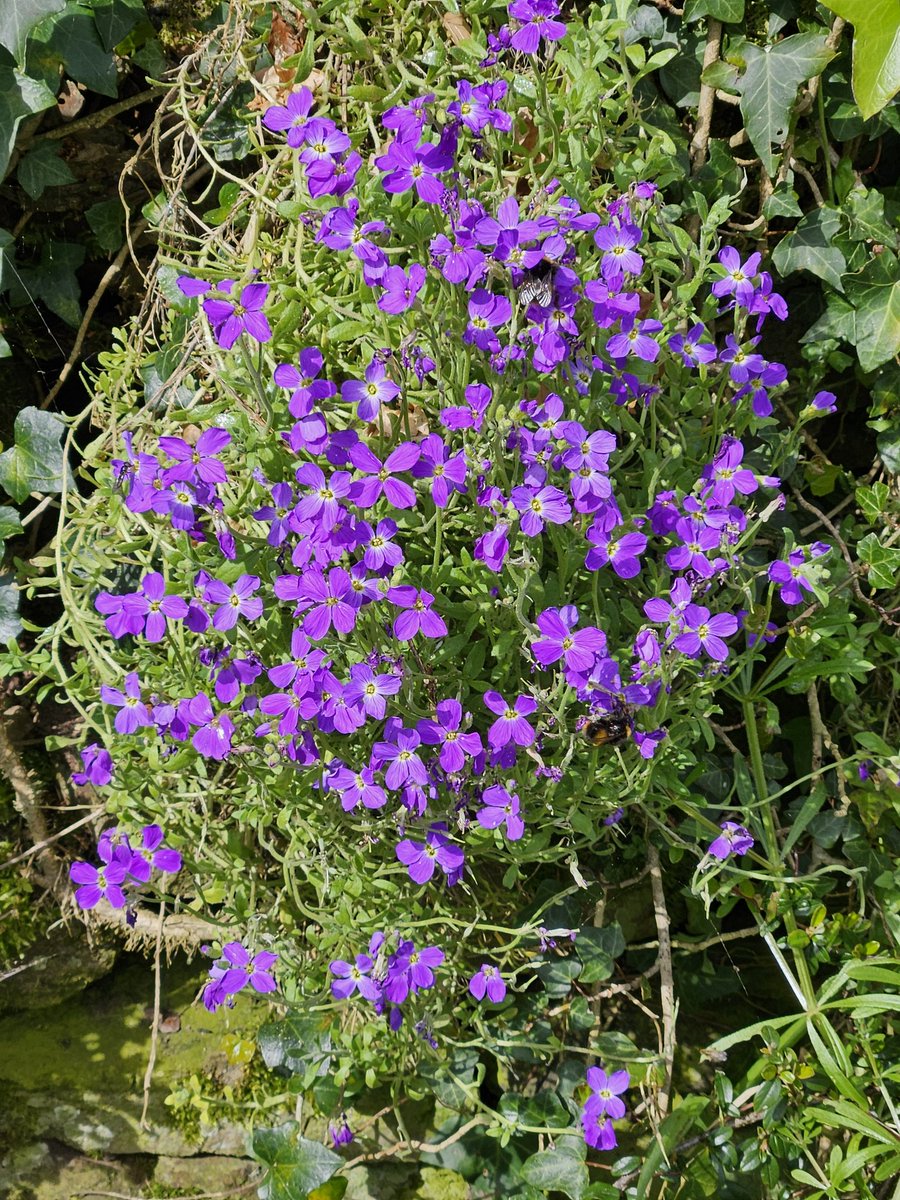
(792, 738)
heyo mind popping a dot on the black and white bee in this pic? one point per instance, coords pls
(536, 285)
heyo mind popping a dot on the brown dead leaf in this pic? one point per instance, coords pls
(284, 40)
(456, 28)
(70, 100)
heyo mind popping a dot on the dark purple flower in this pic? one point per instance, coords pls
(197, 463)
(133, 712)
(487, 312)
(446, 731)
(738, 280)
(229, 320)
(233, 601)
(307, 388)
(341, 1135)
(734, 839)
(242, 970)
(511, 725)
(419, 616)
(492, 547)
(421, 859)
(703, 633)
(501, 808)
(622, 553)
(597, 1126)
(487, 981)
(408, 165)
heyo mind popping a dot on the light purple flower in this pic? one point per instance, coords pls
(446, 731)
(536, 21)
(487, 981)
(133, 712)
(501, 808)
(734, 839)
(437, 851)
(229, 320)
(739, 276)
(96, 884)
(352, 977)
(292, 116)
(703, 633)
(447, 472)
(578, 648)
(369, 395)
(233, 601)
(419, 616)
(539, 505)
(608, 1090)
(400, 288)
(511, 725)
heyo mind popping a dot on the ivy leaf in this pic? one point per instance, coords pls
(295, 1165)
(53, 281)
(782, 203)
(20, 96)
(598, 949)
(873, 500)
(731, 12)
(75, 42)
(35, 462)
(558, 1170)
(107, 221)
(883, 562)
(10, 625)
(876, 50)
(875, 295)
(116, 19)
(10, 524)
(18, 18)
(810, 247)
(42, 168)
(768, 87)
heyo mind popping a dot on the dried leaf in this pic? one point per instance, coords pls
(456, 28)
(70, 100)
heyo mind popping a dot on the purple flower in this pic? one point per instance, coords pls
(419, 616)
(471, 415)
(539, 505)
(791, 576)
(308, 389)
(293, 116)
(379, 480)
(96, 884)
(619, 255)
(448, 472)
(369, 690)
(357, 787)
(406, 765)
(152, 603)
(725, 475)
(329, 599)
(597, 1126)
(492, 547)
(622, 553)
(229, 320)
(341, 1135)
(152, 854)
(488, 981)
(241, 970)
(535, 18)
(501, 808)
(380, 553)
(421, 859)
(197, 463)
(400, 289)
(369, 396)
(703, 633)
(213, 738)
(734, 839)
(511, 725)
(690, 349)
(98, 766)
(487, 312)
(354, 977)
(322, 502)
(233, 602)
(133, 712)
(578, 648)
(332, 176)
(409, 165)
(738, 280)
(447, 733)
(635, 339)
(608, 1089)
(823, 403)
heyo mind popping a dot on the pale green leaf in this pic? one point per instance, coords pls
(556, 1171)
(10, 625)
(875, 295)
(35, 462)
(811, 247)
(18, 18)
(295, 1166)
(876, 50)
(768, 87)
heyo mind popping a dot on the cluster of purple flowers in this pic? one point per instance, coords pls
(387, 979)
(236, 969)
(603, 1106)
(122, 866)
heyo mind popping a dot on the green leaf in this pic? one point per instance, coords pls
(811, 248)
(42, 168)
(116, 19)
(875, 294)
(107, 221)
(872, 500)
(20, 96)
(10, 625)
(670, 1132)
(295, 1165)
(10, 524)
(5, 351)
(598, 949)
(556, 1170)
(876, 50)
(768, 87)
(53, 280)
(74, 40)
(729, 11)
(865, 208)
(782, 203)
(35, 462)
(883, 562)
(18, 18)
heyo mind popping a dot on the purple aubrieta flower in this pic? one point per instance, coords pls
(635, 339)
(447, 472)
(421, 859)
(446, 731)
(213, 737)
(133, 712)
(619, 255)
(406, 767)
(492, 547)
(536, 21)
(368, 395)
(577, 647)
(235, 971)
(622, 553)
(98, 766)
(790, 575)
(153, 855)
(196, 463)
(400, 288)
(380, 553)
(702, 633)
(99, 883)
(230, 319)
(379, 477)
(511, 725)
(540, 505)
(419, 616)
(233, 601)
(487, 981)
(597, 1126)
(292, 116)
(487, 312)
(501, 808)
(824, 403)
(353, 977)
(341, 1135)
(608, 1090)
(738, 280)
(471, 415)
(734, 839)
(307, 388)
(690, 349)
(411, 166)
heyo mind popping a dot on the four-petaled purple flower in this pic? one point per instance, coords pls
(437, 851)
(501, 808)
(511, 725)
(353, 977)
(233, 601)
(487, 981)
(447, 733)
(703, 633)
(230, 319)
(734, 839)
(419, 616)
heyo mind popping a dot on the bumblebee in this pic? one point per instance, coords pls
(609, 730)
